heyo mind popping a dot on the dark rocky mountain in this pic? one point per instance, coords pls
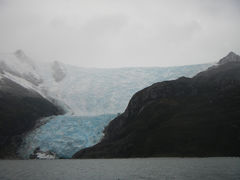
(197, 116)
(20, 108)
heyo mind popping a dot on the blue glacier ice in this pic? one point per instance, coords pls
(65, 134)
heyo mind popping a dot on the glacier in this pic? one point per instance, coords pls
(95, 91)
(84, 93)
(87, 91)
(65, 134)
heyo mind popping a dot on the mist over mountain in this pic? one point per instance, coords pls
(31, 90)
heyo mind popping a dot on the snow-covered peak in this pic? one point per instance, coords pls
(20, 65)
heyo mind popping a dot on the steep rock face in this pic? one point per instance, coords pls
(20, 108)
(196, 116)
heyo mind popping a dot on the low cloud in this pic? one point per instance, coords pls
(121, 33)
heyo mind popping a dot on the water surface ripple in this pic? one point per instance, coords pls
(122, 169)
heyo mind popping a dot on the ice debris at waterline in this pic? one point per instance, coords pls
(65, 135)
(38, 154)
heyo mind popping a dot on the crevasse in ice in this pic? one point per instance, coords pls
(65, 134)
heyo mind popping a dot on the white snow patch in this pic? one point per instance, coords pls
(18, 66)
(24, 83)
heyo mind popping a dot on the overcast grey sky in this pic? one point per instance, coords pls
(118, 33)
